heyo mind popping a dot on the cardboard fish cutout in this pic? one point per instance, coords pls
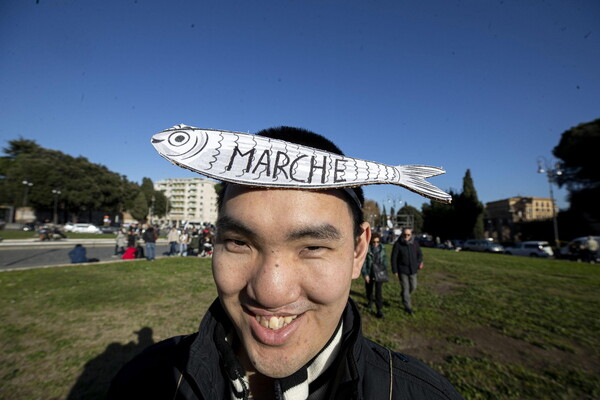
(253, 160)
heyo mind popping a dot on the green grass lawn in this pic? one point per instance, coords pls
(498, 327)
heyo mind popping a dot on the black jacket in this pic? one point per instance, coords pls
(406, 257)
(189, 367)
(149, 235)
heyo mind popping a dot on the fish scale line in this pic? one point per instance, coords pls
(217, 151)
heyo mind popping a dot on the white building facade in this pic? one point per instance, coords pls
(192, 200)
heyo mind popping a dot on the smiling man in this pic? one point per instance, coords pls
(283, 326)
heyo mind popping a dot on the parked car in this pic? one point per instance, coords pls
(28, 226)
(573, 250)
(109, 229)
(68, 227)
(458, 244)
(484, 245)
(85, 228)
(424, 240)
(455, 245)
(530, 249)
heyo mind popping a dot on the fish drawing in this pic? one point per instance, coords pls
(253, 160)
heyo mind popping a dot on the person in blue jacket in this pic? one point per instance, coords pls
(78, 255)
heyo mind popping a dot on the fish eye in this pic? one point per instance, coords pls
(179, 138)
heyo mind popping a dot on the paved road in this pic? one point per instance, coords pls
(29, 254)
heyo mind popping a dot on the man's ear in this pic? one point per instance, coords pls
(361, 249)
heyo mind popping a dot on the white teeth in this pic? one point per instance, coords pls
(264, 322)
(275, 322)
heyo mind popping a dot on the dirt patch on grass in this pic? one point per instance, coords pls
(487, 342)
(511, 350)
(444, 283)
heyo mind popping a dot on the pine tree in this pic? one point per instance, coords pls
(469, 210)
(384, 217)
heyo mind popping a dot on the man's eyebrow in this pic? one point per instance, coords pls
(228, 224)
(323, 231)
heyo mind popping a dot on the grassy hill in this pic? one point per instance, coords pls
(498, 327)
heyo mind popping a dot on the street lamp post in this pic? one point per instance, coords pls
(552, 174)
(56, 193)
(27, 186)
(151, 212)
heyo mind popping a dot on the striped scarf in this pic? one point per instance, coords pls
(309, 382)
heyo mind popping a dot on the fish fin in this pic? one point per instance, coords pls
(413, 177)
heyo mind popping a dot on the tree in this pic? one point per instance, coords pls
(439, 219)
(161, 204)
(21, 146)
(155, 198)
(384, 217)
(139, 210)
(469, 211)
(148, 188)
(578, 150)
(218, 187)
(83, 185)
(416, 214)
(371, 212)
(462, 219)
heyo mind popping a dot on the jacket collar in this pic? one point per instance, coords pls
(214, 382)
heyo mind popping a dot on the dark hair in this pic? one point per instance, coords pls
(307, 138)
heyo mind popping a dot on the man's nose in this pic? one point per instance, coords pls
(275, 283)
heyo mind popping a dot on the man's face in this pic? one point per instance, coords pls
(283, 264)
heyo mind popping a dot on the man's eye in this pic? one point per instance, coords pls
(235, 245)
(313, 250)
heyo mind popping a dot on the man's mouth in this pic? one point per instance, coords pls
(274, 322)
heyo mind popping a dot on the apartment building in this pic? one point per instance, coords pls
(503, 216)
(521, 209)
(193, 200)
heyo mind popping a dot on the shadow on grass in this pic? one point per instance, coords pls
(95, 379)
(355, 295)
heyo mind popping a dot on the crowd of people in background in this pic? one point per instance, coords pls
(139, 241)
(192, 241)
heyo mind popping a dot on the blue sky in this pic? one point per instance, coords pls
(484, 85)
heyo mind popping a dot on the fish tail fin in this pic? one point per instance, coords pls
(413, 177)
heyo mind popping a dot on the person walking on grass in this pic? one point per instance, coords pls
(374, 272)
(407, 260)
